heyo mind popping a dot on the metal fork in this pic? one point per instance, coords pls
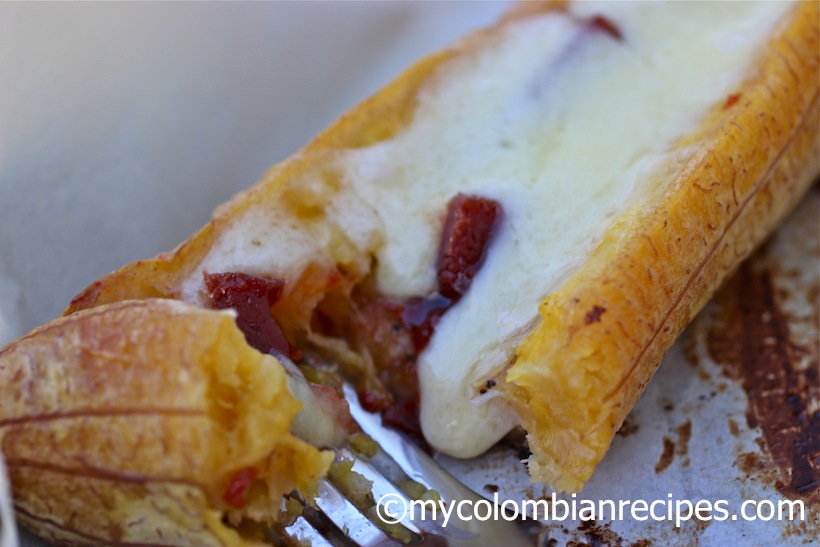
(401, 471)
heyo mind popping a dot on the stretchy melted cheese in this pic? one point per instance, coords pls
(562, 122)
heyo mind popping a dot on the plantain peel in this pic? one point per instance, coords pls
(126, 423)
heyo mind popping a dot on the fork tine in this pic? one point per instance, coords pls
(381, 462)
(391, 442)
(315, 523)
(349, 518)
(341, 515)
(383, 486)
(301, 532)
(422, 468)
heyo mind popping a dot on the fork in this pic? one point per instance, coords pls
(386, 465)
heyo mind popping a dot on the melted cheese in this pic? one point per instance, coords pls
(561, 123)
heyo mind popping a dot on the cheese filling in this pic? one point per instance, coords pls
(564, 123)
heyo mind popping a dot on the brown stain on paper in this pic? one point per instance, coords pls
(751, 340)
(672, 448)
(684, 434)
(734, 428)
(629, 426)
(593, 534)
(667, 455)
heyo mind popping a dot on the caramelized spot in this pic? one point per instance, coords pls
(251, 297)
(731, 100)
(594, 315)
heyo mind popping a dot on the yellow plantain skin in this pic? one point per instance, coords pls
(125, 424)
